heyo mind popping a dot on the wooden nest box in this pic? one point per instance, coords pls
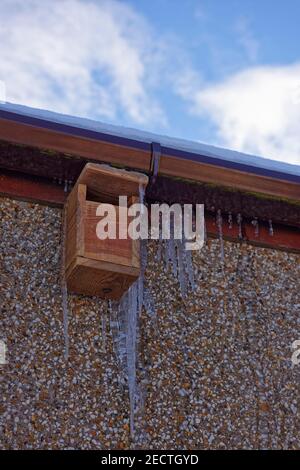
(95, 267)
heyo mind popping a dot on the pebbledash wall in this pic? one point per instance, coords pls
(215, 368)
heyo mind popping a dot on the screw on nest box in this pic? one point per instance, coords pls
(94, 266)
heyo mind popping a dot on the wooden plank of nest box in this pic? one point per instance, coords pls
(106, 182)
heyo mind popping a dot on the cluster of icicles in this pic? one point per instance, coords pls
(239, 221)
(67, 184)
(125, 314)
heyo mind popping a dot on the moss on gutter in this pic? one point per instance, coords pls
(229, 189)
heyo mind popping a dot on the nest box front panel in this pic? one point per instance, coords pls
(119, 251)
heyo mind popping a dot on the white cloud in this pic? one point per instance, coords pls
(84, 57)
(256, 110)
(2, 92)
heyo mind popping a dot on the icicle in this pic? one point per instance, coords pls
(239, 222)
(148, 303)
(142, 196)
(271, 231)
(220, 234)
(131, 352)
(144, 296)
(141, 280)
(188, 260)
(160, 241)
(64, 291)
(172, 247)
(66, 186)
(114, 326)
(190, 268)
(230, 220)
(165, 253)
(118, 328)
(124, 327)
(256, 226)
(172, 255)
(181, 267)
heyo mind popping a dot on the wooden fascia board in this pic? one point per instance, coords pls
(76, 146)
(140, 159)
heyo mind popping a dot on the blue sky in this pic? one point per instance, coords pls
(222, 72)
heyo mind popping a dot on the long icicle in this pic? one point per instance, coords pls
(124, 326)
(172, 247)
(160, 242)
(132, 313)
(188, 256)
(220, 235)
(190, 268)
(181, 267)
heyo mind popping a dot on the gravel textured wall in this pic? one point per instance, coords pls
(215, 368)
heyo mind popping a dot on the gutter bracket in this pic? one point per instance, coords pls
(155, 161)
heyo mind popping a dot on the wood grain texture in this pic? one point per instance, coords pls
(202, 172)
(140, 159)
(73, 145)
(75, 210)
(94, 266)
(117, 251)
(106, 183)
(97, 278)
(31, 189)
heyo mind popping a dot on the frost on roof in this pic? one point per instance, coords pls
(148, 137)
